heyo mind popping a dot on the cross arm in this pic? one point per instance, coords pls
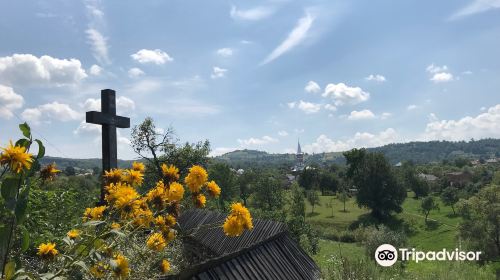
(100, 118)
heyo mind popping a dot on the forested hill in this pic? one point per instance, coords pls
(86, 164)
(418, 152)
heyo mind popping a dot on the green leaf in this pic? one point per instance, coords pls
(21, 206)
(23, 142)
(82, 265)
(4, 239)
(25, 128)
(118, 232)
(41, 149)
(25, 242)
(10, 270)
(9, 188)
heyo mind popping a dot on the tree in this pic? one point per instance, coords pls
(245, 183)
(480, 226)
(343, 197)
(449, 196)
(70, 171)
(428, 204)
(377, 186)
(412, 182)
(328, 182)
(313, 199)
(227, 181)
(297, 205)
(268, 192)
(310, 177)
(331, 205)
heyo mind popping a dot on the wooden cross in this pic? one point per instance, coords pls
(109, 121)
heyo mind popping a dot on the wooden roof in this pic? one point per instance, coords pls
(266, 252)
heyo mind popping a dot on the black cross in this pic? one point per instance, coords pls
(109, 121)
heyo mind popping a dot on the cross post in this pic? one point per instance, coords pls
(109, 121)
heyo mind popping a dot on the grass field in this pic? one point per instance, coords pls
(440, 232)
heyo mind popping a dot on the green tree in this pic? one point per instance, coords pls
(70, 171)
(268, 192)
(480, 226)
(331, 205)
(449, 196)
(313, 199)
(246, 181)
(377, 186)
(328, 182)
(428, 204)
(310, 177)
(412, 182)
(297, 203)
(343, 197)
(227, 181)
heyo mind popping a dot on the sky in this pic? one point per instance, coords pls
(256, 74)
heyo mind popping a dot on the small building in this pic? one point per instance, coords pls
(266, 252)
(458, 178)
(428, 177)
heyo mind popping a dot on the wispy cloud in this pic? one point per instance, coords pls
(253, 14)
(477, 6)
(295, 37)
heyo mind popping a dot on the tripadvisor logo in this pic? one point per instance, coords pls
(387, 255)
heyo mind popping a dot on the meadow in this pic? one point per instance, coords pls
(339, 240)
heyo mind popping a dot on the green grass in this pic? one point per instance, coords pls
(328, 247)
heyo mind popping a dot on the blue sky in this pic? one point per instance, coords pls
(253, 74)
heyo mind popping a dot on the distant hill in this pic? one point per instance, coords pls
(89, 163)
(418, 152)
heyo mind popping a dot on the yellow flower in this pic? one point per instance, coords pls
(170, 172)
(157, 195)
(138, 166)
(200, 200)
(120, 266)
(156, 242)
(113, 176)
(238, 220)
(47, 250)
(170, 220)
(115, 225)
(165, 266)
(16, 157)
(196, 178)
(99, 270)
(134, 177)
(175, 192)
(232, 227)
(93, 214)
(143, 218)
(123, 197)
(170, 235)
(73, 234)
(49, 172)
(213, 189)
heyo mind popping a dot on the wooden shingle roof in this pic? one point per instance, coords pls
(266, 252)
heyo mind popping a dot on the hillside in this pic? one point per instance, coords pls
(418, 152)
(81, 163)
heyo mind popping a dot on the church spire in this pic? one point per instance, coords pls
(299, 150)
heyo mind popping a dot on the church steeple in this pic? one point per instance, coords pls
(299, 150)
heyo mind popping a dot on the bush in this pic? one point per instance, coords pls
(375, 237)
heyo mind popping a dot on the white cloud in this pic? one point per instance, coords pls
(477, 6)
(282, 133)
(361, 115)
(9, 101)
(308, 107)
(344, 94)
(376, 78)
(123, 104)
(330, 107)
(87, 128)
(411, 107)
(95, 70)
(361, 139)
(257, 141)
(312, 87)
(221, 150)
(295, 37)
(99, 45)
(156, 56)
(439, 73)
(135, 72)
(442, 77)
(385, 115)
(253, 14)
(218, 72)
(291, 105)
(51, 111)
(484, 125)
(225, 52)
(27, 69)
